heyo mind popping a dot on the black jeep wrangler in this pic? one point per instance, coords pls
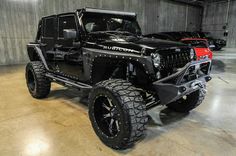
(102, 53)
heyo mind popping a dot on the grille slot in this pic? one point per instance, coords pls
(172, 59)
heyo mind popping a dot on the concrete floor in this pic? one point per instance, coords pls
(59, 125)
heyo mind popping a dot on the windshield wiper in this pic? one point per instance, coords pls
(122, 32)
(114, 32)
(100, 32)
(105, 32)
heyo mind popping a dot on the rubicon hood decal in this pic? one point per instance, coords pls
(115, 48)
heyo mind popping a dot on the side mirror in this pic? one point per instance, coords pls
(69, 33)
(212, 46)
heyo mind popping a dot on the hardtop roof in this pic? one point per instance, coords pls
(96, 10)
(105, 11)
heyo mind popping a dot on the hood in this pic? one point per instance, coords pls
(129, 43)
(201, 53)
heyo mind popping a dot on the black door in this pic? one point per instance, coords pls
(68, 58)
(48, 40)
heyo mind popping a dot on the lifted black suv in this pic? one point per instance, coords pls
(103, 53)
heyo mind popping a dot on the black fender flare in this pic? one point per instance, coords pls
(34, 49)
(91, 54)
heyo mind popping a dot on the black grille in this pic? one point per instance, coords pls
(175, 59)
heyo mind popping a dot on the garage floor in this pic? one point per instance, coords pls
(59, 125)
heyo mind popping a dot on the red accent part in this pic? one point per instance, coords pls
(200, 52)
(203, 52)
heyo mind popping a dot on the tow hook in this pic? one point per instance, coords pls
(196, 84)
(203, 91)
(199, 84)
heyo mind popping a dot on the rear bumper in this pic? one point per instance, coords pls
(221, 44)
(168, 91)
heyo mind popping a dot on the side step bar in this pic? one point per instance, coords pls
(68, 82)
(151, 102)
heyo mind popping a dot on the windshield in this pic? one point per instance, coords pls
(205, 34)
(103, 22)
(196, 43)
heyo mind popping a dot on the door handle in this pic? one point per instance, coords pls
(43, 44)
(58, 45)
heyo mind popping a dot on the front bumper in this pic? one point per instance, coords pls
(173, 87)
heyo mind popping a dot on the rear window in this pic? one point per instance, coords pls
(66, 22)
(49, 27)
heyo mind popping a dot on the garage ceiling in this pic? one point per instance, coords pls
(193, 2)
(198, 2)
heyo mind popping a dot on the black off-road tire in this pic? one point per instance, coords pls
(185, 105)
(38, 84)
(131, 111)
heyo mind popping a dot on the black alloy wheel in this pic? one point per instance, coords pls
(31, 80)
(107, 116)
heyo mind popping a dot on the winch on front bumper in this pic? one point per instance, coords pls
(191, 77)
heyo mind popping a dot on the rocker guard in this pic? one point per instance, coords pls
(168, 92)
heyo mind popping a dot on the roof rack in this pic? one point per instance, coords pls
(103, 11)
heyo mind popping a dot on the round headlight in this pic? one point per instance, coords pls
(192, 53)
(156, 59)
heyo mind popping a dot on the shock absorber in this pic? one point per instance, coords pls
(130, 72)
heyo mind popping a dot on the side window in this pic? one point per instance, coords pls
(39, 32)
(49, 27)
(66, 22)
